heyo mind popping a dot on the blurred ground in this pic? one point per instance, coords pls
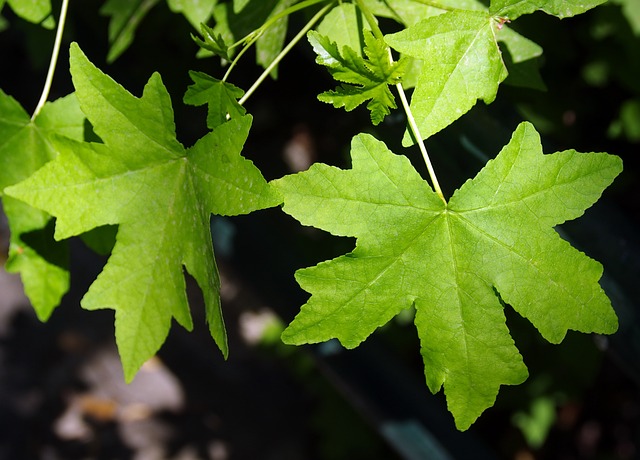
(62, 396)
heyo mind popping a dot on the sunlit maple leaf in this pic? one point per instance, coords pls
(493, 242)
(161, 196)
(26, 146)
(560, 8)
(461, 64)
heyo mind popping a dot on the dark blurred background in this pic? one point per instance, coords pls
(61, 389)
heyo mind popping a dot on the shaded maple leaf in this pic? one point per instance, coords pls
(221, 98)
(25, 147)
(212, 41)
(36, 11)
(159, 193)
(560, 8)
(125, 17)
(454, 262)
(364, 79)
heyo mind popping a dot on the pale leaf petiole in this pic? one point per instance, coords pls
(54, 59)
(423, 149)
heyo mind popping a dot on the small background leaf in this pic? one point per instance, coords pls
(36, 11)
(220, 97)
(345, 24)
(513, 9)
(234, 25)
(272, 40)
(631, 10)
(521, 59)
(239, 5)
(196, 11)
(126, 16)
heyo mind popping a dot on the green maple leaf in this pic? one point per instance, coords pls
(410, 12)
(364, 79)
(519, 62)
(513, 9)
(126, 16)
(455, 263)
(462, 63)
(221, 98)
(36, 11)
(344, 24)
(25, 146)
(212, 42)
(196, 11)
(160, 195)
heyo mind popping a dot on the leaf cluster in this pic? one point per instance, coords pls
(458, 262)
